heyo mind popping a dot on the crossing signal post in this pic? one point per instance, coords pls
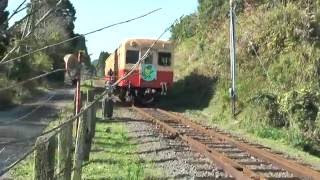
(233, 93)
(73, 69)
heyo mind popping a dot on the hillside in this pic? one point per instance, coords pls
(278, 68)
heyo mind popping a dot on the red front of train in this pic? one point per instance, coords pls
(152, 77)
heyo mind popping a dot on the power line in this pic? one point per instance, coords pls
(57, 129)
(31, 30)
(82, 35)
(261, 63)
(92, 103)
(31, 79)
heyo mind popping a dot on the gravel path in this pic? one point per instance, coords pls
(175, 159)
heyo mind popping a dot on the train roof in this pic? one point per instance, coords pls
(146, 43)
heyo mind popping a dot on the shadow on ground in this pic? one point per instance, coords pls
(193, 92)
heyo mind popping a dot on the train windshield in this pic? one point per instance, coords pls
(132, 56)
(164, 59)
(149, 58)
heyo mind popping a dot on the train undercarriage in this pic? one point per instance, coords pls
(143, 96)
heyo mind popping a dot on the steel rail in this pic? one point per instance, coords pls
(289, 165)
(231, 167)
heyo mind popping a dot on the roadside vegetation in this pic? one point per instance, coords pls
(278, 68)
(113, 155)
(25, 169)
(48, 22)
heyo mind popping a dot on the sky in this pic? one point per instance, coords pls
(95, 14)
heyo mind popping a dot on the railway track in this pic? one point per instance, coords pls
(236, 157)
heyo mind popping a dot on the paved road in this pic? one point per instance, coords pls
(29, 120)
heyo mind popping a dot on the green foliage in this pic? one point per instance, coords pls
(56, 27)
(209, 10)
(100, 64)
(278, 65)
(185, 28)
(42, 62)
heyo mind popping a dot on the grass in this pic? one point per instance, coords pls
(24, 170)
(113, 156)
(270, 137)
(277, 81)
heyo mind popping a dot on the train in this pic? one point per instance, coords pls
(152, 78)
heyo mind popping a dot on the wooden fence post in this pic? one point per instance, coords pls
(94, 120)
(64, 152)
(78, 154)
(103, 108)
(88, 136)
(44, 158)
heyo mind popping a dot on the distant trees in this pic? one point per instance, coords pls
(47, 22)
(100, 64)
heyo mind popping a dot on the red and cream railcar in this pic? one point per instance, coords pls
(153, 76)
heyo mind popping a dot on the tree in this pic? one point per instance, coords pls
(4, 40)
(101, 63)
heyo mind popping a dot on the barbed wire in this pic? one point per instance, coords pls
(17, 161)
(92, 103)
(81, 35)
(57, 129)
(29, 113)
(31, 79)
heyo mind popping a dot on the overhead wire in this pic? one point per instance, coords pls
(81, 35)
(265, 71)
(16, 11)
(92, 103)
(57, 129)
(31, 79)
(30, 31)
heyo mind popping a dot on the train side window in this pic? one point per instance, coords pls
(132, 56)
(164, 59)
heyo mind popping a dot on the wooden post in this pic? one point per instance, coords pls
(78, 154)
(88, 136)
(44, 158)
(64, 152)
(94, 119)
(51, 156)
(103, 108)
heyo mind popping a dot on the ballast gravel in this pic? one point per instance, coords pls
(176, 160)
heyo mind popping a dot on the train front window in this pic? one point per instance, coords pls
(148, 59)
(164, 59)
(132, 56)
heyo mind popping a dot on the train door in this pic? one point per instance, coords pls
(148, 68)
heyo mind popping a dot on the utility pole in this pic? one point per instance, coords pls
(233, 93)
